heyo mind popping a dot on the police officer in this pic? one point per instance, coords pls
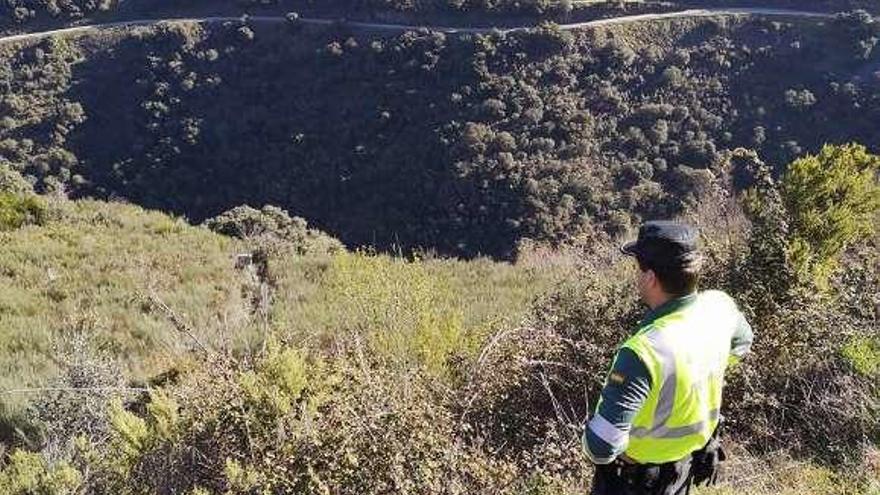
(654, 430)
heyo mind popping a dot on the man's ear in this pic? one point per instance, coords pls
(653, 281)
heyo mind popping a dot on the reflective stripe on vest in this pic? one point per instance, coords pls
(686, 353)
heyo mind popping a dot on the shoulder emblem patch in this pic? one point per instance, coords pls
(616, 378)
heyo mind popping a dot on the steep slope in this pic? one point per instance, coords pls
(461, 143)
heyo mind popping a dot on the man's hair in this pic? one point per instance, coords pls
(676, 279)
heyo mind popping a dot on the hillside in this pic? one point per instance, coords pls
(144, 355)
(254, 257)
(464, 144)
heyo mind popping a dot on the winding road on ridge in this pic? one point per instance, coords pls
(370, 26)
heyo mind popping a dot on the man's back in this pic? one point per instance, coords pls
(686, 352)
(652, 431)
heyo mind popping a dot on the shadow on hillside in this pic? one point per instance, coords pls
(372, 140)
(197, 124)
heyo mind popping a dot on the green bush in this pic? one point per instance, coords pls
(408, 317)
(27, 473)
(864, 354)
(831, 200)
(17, 211)
(344, 428)
(274, 226)
(12, 182)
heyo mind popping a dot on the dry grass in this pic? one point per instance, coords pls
(780, 474)
(100, 260)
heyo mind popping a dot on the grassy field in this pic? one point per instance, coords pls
(94, 266)
(97, 266)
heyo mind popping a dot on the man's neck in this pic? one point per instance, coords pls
(660, 300)
(671, 303)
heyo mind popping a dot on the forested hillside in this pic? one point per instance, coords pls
(276, 258)
(463, 143)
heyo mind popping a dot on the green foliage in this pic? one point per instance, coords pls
(91, 267)
(22, 11)
(35, 81)
(28, 474)
(273, 225)
(409, 316)
(279, 382)
(163, 413)
(17, 211)
(832, 200)
(803, 334)
(11, 182)
(864, 354)
(383, 375)
(363, 407)
(770, 279)
(130, 431)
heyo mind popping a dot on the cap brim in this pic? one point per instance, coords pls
(629, 248)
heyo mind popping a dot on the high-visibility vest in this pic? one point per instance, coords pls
(686, 353)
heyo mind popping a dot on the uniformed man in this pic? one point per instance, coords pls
(654, 430)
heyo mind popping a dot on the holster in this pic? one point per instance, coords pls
(706, 467)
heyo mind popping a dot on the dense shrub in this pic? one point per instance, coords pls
(17, 211)
(22, 11)
(832, 199)
(27, 473)
(273, 225)
(12, 182)
(284, 424)
(546, 374)
(805, 389)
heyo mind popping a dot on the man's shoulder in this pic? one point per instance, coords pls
(715, 296)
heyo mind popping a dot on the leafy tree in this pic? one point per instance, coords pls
(832, 200)
(273, 224)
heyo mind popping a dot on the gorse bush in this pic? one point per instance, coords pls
(12, 182)
(18, 204)
(289, 424)
(408, 318)
(28, 474)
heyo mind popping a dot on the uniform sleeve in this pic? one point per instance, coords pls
(741, 343)
(626, 389)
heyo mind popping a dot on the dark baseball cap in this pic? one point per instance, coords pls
(664, 242)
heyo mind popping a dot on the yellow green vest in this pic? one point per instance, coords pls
(686, 353)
